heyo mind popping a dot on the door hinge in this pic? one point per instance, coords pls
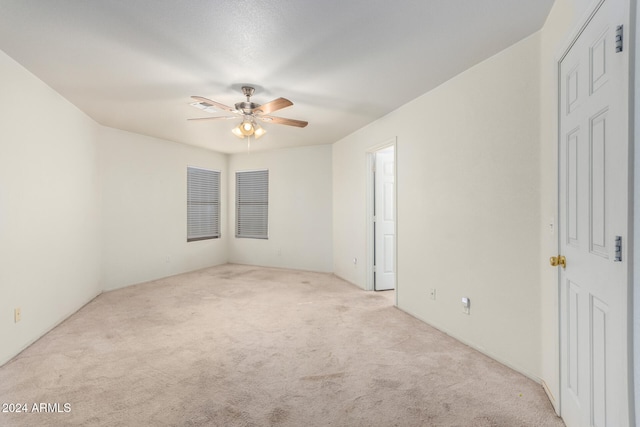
(619, 39)
(374, 268)
(618, 248)
(374, 218)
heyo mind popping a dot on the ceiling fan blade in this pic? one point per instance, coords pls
(214, 118)
(283, 121)
(275, 105)
(211, 103)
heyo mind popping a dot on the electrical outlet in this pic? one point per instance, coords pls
(17, 315)
(466, 305)
(432, 293)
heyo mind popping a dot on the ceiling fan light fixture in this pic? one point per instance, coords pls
(238, 132)
(246, 127)
(259, 131)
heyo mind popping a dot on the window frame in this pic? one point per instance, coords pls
(252, 207)
(194, 205)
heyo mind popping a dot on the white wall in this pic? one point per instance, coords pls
(84, 208)
(144, 208)
(350, 224)
(468, 205)
(49, 208)
(300, 219)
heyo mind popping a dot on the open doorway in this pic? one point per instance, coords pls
(382, 208)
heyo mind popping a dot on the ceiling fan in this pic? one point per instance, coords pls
(250, 112)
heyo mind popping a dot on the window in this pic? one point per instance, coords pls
(252, 204)
(203, 204)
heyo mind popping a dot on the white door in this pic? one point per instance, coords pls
(384, 222)
(593, 200)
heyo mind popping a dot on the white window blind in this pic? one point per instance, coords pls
(252, 204)
(203, 204)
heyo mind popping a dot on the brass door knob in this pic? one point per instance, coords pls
(559, 260)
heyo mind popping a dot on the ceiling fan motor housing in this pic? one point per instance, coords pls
(246, 107)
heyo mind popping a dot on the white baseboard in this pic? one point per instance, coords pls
(551, 397)
(46, 330)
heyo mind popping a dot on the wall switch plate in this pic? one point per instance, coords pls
(432, 294)
(17, 315)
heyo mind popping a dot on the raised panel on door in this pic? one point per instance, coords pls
(389, 250)
(573, 325)
(598, 62)
(571, 221)
(571, 88)
(597, 193)
(598, 338)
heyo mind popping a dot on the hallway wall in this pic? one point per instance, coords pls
(468, 205)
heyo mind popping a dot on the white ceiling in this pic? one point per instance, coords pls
(133, 64)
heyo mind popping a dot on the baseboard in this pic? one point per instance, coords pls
(551, 397)
(349, 282)
(47, 330)
(506, 363)
(276, 267)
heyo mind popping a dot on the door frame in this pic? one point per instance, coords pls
(632, 217)
(634, 132)
(370, 199)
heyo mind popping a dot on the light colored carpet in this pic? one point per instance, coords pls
(247, 346)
